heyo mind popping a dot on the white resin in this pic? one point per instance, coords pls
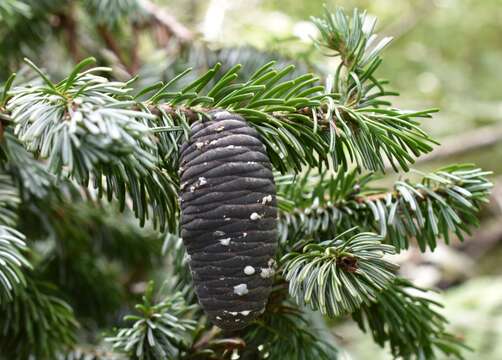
(241, 289)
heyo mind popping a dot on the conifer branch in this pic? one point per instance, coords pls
(11, 8)
(284, 332)
(110, 13)
(86, 132)
(60, 139)
(443, 202)
(159, 331)
(367, 125)
(88, 127)
(296, 118)
(12, 262)
(404, 317)
(12, 243)
(337, 276)
(32, 176)
(36, 324)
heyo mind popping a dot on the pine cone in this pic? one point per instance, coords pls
(229, 218)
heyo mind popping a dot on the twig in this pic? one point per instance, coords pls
(206, 338)
(489, 235)
(135, 61)
(471, 140)
(113, 46)
(191, 115)
(167, 21)
(68, 22)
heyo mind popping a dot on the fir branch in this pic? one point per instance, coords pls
(404, 317)
(300, 122)
(285, 333)
(337, 276)
(212, 344)
(110, 13)
(90, 353)
(12, 262)
(88, 127)
(159, 331)
(86, 132)
(93, 253)
(32, 177)
(36, 324)
(24, 28)
(12, 243)
(364, 121)
(9, 201)
(13, 8)
(443, 202)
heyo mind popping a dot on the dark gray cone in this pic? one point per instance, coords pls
(228, 218)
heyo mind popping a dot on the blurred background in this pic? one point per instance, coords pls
(445, 54)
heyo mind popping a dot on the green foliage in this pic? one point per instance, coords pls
(10, 8)
(9, 201)
(268, 102)
(360, 121)
(36, 324)
(443, 202)
(12, 260)
(285, 333)
(86, 131)
(67, 145)
(405, 317)
(88, 127)
(111, 12)
(337, 276)
(159, 331)
(90, 354)
(12, 242)
(83, 281)
(94, 254)
(24, 27)
(300, 122)
(31, 176)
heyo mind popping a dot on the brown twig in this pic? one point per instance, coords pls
(168, 22)
(193, 114)
(206, 338)
(67, 21)
(112, 44)
(471, 140)
(135, 61)
(381, 196)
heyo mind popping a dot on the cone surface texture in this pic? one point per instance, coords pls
(228, 218)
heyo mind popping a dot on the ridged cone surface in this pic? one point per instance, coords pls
(229, 218)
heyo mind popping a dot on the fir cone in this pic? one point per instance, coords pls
(228, 218)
